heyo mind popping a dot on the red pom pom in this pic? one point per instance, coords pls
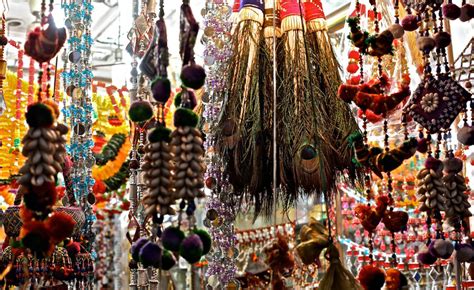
(371, 116)
(371, 278)
(352, 68)
(355, 80)
(73, 249)
(347, 92)
(35, 236)
(354, 54)
(60, 226)
(26, 215)
(99, 187)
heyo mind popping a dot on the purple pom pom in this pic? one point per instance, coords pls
(171, 238)
(150, 254)
(426, 258)
(433, 163)
(451, 11)
(136, 247)
(466, 135)
(410, 23)
(191, 249)
(453, 165)
(467, 12)
(441, 248)
(464, 253)
(161, 89)
(193, 76)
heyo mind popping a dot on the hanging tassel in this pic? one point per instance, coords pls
(158, 168)
(261, 189)
(302, 162)
(337, 277)
(240, 125)
(326, 77)
(188, 150)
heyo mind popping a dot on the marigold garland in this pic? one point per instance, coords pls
(113, 166)
(9, 159)
(105, 109)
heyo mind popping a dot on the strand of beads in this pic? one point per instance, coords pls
(219, 218)
(78, 80)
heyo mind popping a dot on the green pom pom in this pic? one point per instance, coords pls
(205, 239)
(354, 138)
(167, 261)
(140, 111)
(191, 249)
(185, 118)
(159, 134)
(177, 100)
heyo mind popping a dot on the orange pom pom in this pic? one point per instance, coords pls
(60, 226)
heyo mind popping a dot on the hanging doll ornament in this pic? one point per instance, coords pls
(337, 276)
(314, 239)
(45, 41)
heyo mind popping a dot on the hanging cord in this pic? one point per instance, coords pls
(275, 155)
(161, 13)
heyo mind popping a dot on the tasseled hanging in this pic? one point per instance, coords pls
(188, 151)
(262, 194)
(336, 276)
(240, 125)
(158, 169)
(301, 158)
(325, 75)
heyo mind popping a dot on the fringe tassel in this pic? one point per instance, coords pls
(340, 119)
(240, 126)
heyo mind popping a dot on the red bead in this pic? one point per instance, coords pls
(354, 54)
(211, 182)
(352, 68)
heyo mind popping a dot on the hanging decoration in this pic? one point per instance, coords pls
(220, 213)
(241, 114)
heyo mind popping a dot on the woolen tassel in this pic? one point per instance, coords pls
(240, 121)
(326, 77)
(337, 277)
